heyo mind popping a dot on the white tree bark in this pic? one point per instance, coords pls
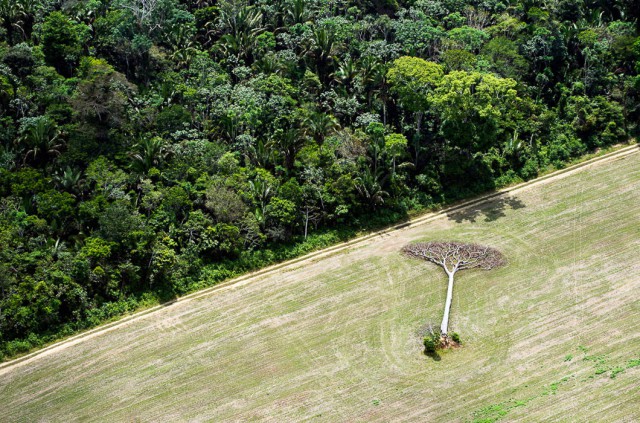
(447, 306)
(453, 256)
(306, 222)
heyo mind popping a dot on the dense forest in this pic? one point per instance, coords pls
(149, 148)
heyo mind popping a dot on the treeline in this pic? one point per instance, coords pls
(152, 147)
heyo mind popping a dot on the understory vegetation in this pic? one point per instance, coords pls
(149, 148)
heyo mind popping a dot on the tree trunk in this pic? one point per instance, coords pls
(445, 320)
(384, 113)
(306, 222)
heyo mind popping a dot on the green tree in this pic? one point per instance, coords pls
(504, 58)
(102, 98)
(412, 79)
(62, 42)
(417, 34)
(107, 179)
(597, 120)
(395, 146)
(225, 205)
(281, 216)
(476, 110)
(20, 58)
(459, 60)
(468, 38)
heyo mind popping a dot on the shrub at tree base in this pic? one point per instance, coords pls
(455, 338)
(431, 344)
(435, 341)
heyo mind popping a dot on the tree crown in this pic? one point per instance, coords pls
(454, 255)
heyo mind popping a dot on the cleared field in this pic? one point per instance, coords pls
(553, 336)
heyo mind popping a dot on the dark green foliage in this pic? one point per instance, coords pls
(148, 153)
(62, 42)
(455, 337)
(432, 342)
(20, 59)
(173, 118)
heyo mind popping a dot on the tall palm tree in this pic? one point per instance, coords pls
(236, 18)
(269, 64)
(370, 187)
(346, 73)
(288, 142)
(69, 179)
(297, 12)
(239, 25)
(29, 10)
(372, 72)
(261, 191)
(514, 146)
(318, 125)
(323, 48)
(41, 137)
(148, 153)
(183, 44)
(10, 17)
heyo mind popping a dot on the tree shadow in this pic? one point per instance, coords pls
(491, 210)
(169, 302)
(433, 355)
(427, 330)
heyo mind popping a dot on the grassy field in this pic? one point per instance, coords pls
(553, 336)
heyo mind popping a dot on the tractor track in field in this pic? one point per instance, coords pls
(315, 256)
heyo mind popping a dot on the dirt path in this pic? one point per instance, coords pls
(313, 257)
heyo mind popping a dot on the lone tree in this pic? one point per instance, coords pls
(452, 257)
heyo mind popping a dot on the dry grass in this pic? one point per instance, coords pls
(337, 339)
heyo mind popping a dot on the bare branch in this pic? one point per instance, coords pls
(454, 256)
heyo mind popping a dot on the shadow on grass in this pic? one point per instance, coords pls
(433, 355)
(169, 302)
(402, 225)
(491, 210)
